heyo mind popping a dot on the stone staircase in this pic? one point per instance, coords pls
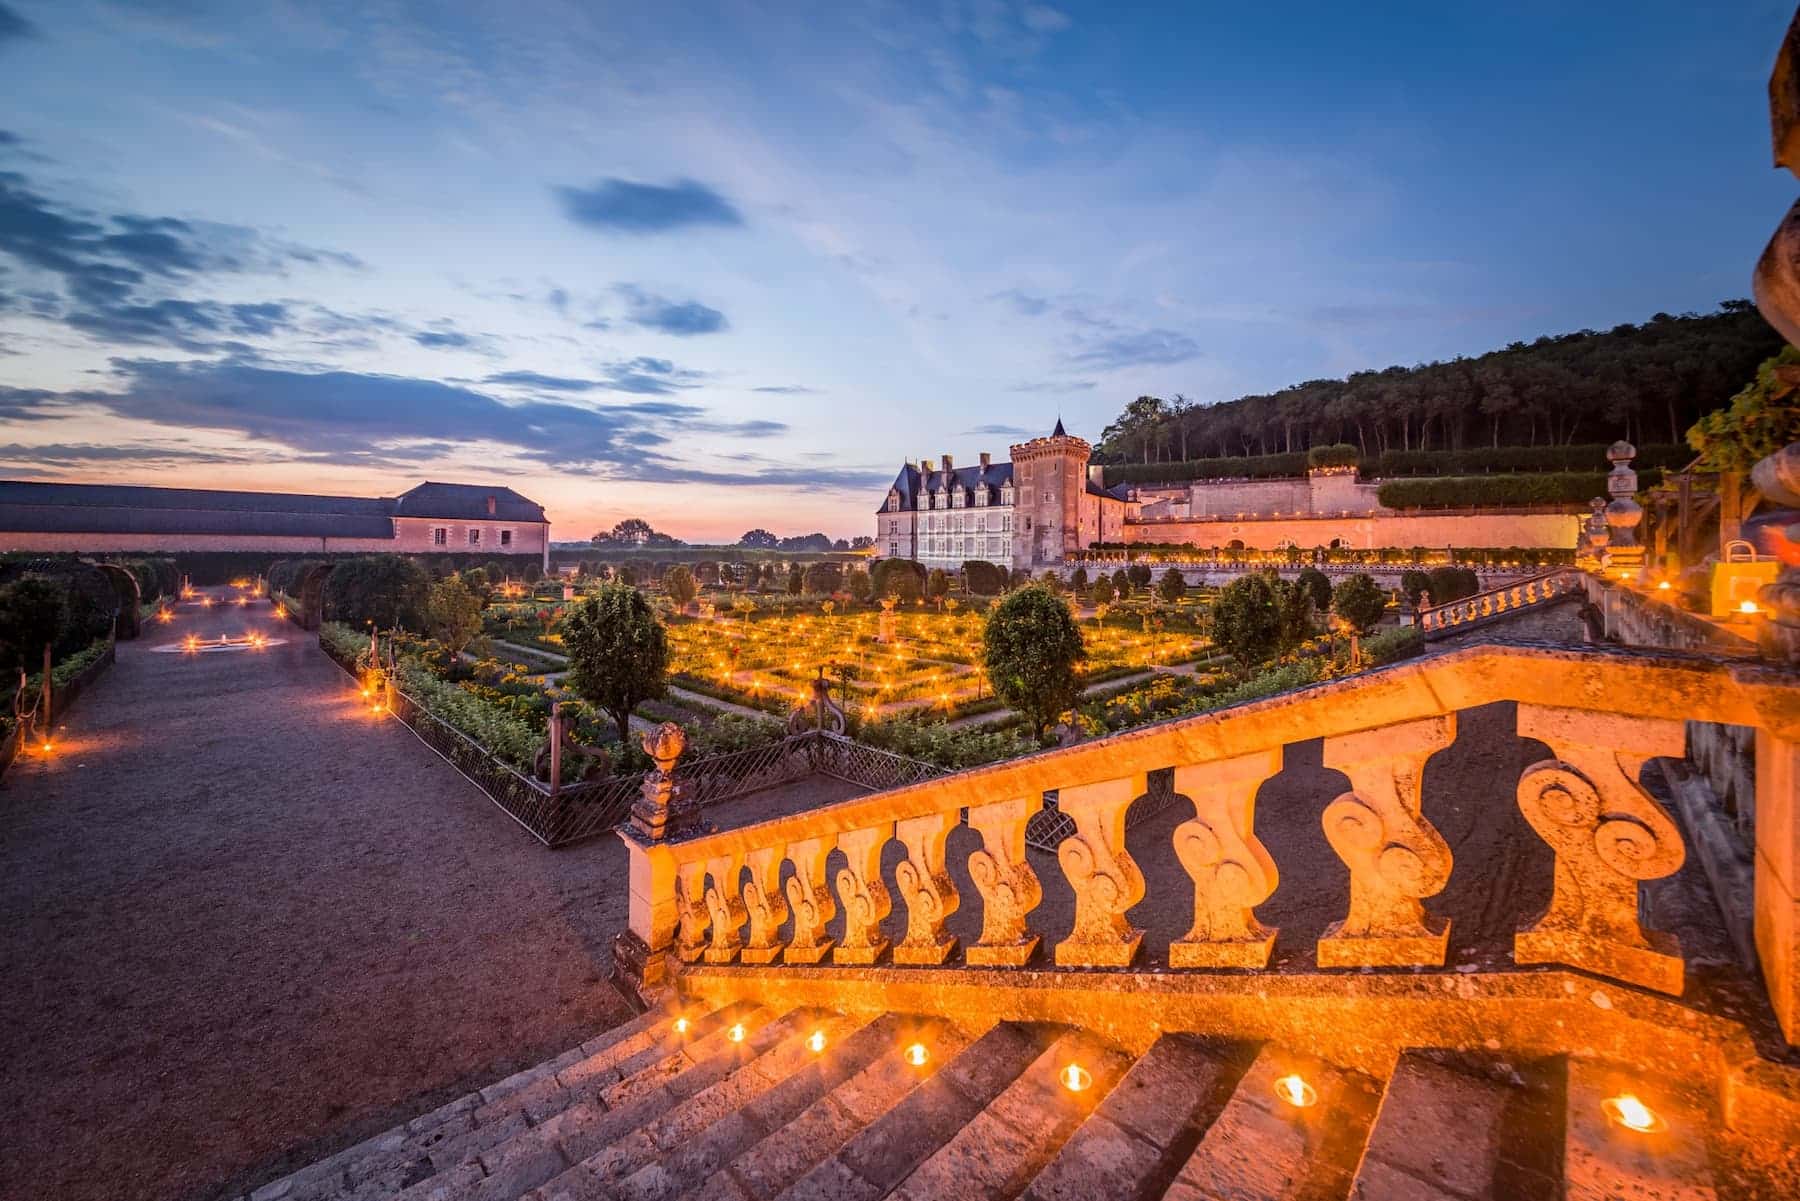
(748, 1104)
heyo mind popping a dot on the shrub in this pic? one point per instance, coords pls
(1338, 454)
(388, 590)
(946, 746)
(454, 613)
(1318, 587)
(1548, 488)
(681, 586)
(1078, 581)
(1414, 584)
(34, 613)
(618, 652)
(1247, 620)
(937, 584)
(1173, 586)
(1359, 603)
(858, 584)
(822, 579)
(1452, 583)
(1139, 574)
(1031, 648)
(1103, 591)
(982, 578)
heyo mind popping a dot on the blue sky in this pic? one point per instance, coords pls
(726, 265)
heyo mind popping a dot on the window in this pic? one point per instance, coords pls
(474, 537)
(505, 537)
(1006, 496)
(893, 501)
(440, 536)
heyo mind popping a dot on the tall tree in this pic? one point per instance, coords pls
(618, 653)
(1031, 647)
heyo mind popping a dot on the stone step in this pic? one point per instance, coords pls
(1437, 1134)
(1010, 1139)
(538, 1152)
(893, 1145)
(1264, 1147)
(1140, 1133)
(1603, 1159)
(344, 1171)
(782, 1156)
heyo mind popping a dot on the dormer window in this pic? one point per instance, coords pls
(893, 501)
(956, 500)
(981, 498)
(1006, 496)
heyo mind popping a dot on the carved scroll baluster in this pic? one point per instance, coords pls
(863, 895)
(764, 903)
(1232, 871)
(1101, 871)
(810, 901)
(692, 919)
(725, 906)
(1394, 855)
(926, 888)
(1608, 834)
(1009, 888)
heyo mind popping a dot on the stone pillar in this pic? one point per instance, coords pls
(1623, 513)
(1778, 874)
(640, 952)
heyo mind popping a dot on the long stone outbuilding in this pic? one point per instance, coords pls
(432, 518)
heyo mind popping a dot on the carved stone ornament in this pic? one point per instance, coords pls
(725, 906)
(809, 900)
(1232, 871)
(1008, 886)
(1105, 879)
(766, 907)
(1394, 855)
(691, 915)
(926, 889)
(863, 895)
(1608, 834)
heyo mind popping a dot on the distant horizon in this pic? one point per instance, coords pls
(729, 266)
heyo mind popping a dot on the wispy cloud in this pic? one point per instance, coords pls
(683, 319)
(622, 206)
(13, 27)
(1053, 385)
(1144, 348)
(998, 431)
(1023, 303)
(786, 390)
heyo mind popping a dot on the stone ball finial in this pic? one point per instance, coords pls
(1624, 514)
(1621, 452)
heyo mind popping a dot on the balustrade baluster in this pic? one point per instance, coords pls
(1608, 834)
(1101, 871)
(1008, 886)
(863, 895)
(809, 900)
(1395, 856)
(1232, 871)
(926, 888)
(764, 903)
(725, 906)
(691, 915)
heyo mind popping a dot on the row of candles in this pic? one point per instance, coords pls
(1626, 1110)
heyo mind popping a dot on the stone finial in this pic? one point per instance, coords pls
(1394, 855)
(1608, 834)
(657, 799)
(926, 888)
(1232, 871)
(1009, 888)
(809, 900)
(665, 744)
(1100, 870)
(863, 895)
(725, 906)
(691, 914)
(765, 906)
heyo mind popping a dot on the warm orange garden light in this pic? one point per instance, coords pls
(1076, 1078)
(281, 610)
(736, 1033)
(45, 747)
(1296, 1092)
(190, 643)
(1748, 607)
(1662, 586)
(681, 1025)
(815, 1042)
(1628, 1111)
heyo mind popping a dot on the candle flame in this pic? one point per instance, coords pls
(736, 1033)
(1748, 606)
(1295, 1091)
(917, 1055)
(1628, 1111)
(1663, 586)
(1076, 1078)
(816, 1043)
(681, 1025)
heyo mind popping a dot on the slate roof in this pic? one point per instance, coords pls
(914, 484)
(54, 508)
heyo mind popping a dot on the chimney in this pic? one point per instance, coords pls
(948, 465)
(490, 506)
(986, 462)
(925, 466)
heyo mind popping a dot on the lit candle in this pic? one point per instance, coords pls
(917, 1055)
(1295, 1091)
(816, 1042)
(736, 1033)
(1631, 1113)
(681, 1025)
(1076, 1078)
(1748, 606)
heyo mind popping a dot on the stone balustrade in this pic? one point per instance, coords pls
(1496, 601)
(1603, 712)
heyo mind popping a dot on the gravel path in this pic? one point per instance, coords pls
(245, 922)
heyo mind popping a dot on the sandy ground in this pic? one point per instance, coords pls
(245, 922)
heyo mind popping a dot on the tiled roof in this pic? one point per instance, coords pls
(54, 508)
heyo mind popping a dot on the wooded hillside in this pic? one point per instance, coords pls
(1647, 383)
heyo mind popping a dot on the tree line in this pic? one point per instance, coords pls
(1646, 383)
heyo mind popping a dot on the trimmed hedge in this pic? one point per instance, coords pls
(1468, 491)
(1583, 458)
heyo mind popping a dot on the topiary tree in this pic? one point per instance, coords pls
(822, 578)
(1173, 585)
(618, 653)
(388, 591)
(1294, 603)
(454, 612)
(905, 585)
(1121, 582)
(533, 573)
(796, 580)
(1359, 602)
(1052, 581)
(1031, 648)
(1139, 574)
(858, 584)
(1318, 587)
(1246, 619)
(1452, 584)
(1078, 581)
(937, 586)
(681, 586)
(34, 613)
(1103, 591)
